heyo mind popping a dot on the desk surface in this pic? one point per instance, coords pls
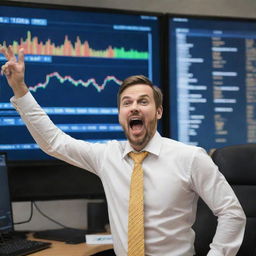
(63, 249)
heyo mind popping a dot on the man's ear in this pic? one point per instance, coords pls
(159, 112)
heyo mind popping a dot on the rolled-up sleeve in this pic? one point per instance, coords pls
(54, 141)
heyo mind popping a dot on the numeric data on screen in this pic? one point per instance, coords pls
(75, 63)
(212, 81)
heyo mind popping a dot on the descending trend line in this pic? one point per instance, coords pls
(32, 45)
(63, 79)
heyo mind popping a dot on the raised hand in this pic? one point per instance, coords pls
(14, 70)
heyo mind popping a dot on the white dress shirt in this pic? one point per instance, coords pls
(175, 175)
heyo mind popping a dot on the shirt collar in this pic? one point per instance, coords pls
(153, 147)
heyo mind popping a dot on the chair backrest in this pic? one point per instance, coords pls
(238, 165)
(204, 227)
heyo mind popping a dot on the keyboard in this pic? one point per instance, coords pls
(19, 247)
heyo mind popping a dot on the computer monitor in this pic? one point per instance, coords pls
(6, 224)
(76, 58)
(212, 80)
(75, 61)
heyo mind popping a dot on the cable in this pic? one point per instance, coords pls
(49, 218)
(30, 217)
(32, 203)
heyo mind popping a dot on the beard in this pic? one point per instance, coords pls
(143, 141)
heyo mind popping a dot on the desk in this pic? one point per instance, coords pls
(63, 249)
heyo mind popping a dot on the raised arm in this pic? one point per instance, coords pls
(14, 70)
(48, 136)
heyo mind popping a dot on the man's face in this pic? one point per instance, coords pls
(138, 114)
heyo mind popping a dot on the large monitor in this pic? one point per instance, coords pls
(212, 78)
(75, 60)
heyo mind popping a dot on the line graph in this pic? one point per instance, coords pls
(32, 45)
(62, 79)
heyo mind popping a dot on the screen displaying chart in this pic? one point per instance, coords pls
(212, 81)
(75, 63)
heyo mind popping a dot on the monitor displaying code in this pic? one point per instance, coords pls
(212, 67)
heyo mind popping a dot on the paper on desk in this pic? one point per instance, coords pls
(98, 239)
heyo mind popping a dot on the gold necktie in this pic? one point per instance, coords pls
(136, 207)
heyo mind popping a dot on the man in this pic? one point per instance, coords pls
(175, 174)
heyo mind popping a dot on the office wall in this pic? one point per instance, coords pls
(73, 213)
(237, 8)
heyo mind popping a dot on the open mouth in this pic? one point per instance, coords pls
(136, 124)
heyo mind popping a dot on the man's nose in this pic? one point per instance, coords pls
(135, 107)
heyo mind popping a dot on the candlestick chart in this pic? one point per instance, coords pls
(32, 45)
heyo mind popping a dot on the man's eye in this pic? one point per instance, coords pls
(144, 102)
(126, 103)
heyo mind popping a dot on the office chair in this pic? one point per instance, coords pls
(238, 165)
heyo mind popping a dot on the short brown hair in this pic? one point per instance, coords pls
(140, 79)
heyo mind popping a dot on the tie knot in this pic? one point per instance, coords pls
(138, 157)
